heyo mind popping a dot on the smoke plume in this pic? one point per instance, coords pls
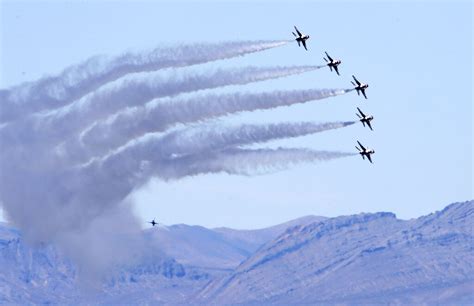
(237, 161)
(70, 119)
(74, 146)
(76, 81)
(157, 116)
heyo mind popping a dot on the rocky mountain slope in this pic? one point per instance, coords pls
(366, 258)
(358, 259)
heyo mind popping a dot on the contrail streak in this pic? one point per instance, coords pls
(136, 160)
(211, 138)
(76, 81)
(156, 116)
(70, 119)
(236, 161)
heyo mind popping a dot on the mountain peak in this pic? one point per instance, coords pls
(459, 208)
(386, 259)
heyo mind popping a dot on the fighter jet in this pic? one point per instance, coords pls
(301, 38)
(153, 222)
(365, 119)
(365, 152)
(332, 63)
(360, 87)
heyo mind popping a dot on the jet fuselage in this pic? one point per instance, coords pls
(366, 153)
(305, 37)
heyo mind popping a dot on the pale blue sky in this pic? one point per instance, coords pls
(417, 58)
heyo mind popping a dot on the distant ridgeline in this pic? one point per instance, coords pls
(361, 259)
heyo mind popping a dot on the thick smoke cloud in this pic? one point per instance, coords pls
(78, 80)
(58, 185)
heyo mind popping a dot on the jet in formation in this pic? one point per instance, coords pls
(332, 63)
(360, 87)
(365, 152)
(301, 38)
(153, 222)
(365, 119)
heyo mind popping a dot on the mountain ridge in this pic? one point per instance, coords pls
(365, 258)
(250, 281)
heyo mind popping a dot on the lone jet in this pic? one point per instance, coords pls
(332, 63)
(365, 119)
(360, 87)
(153, 222)
(301, 38)
(365, 152)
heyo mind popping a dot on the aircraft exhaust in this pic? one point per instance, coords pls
(74, 82)
(161, 114)
(137, 91)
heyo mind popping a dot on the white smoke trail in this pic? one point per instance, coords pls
(156, 116)
(129, 170)
(62, 123)
(76, 81)
(237, 161)
(211, 138)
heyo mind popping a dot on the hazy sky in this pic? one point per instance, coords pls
(417, 58)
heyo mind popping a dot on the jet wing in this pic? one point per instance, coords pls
(363, 148)
(368, 123)
(328, 56)
(361, 112)
(299, 33)
(357, 81)
(363, 92)
(304, 44)
(369, 158)
(337, 71)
